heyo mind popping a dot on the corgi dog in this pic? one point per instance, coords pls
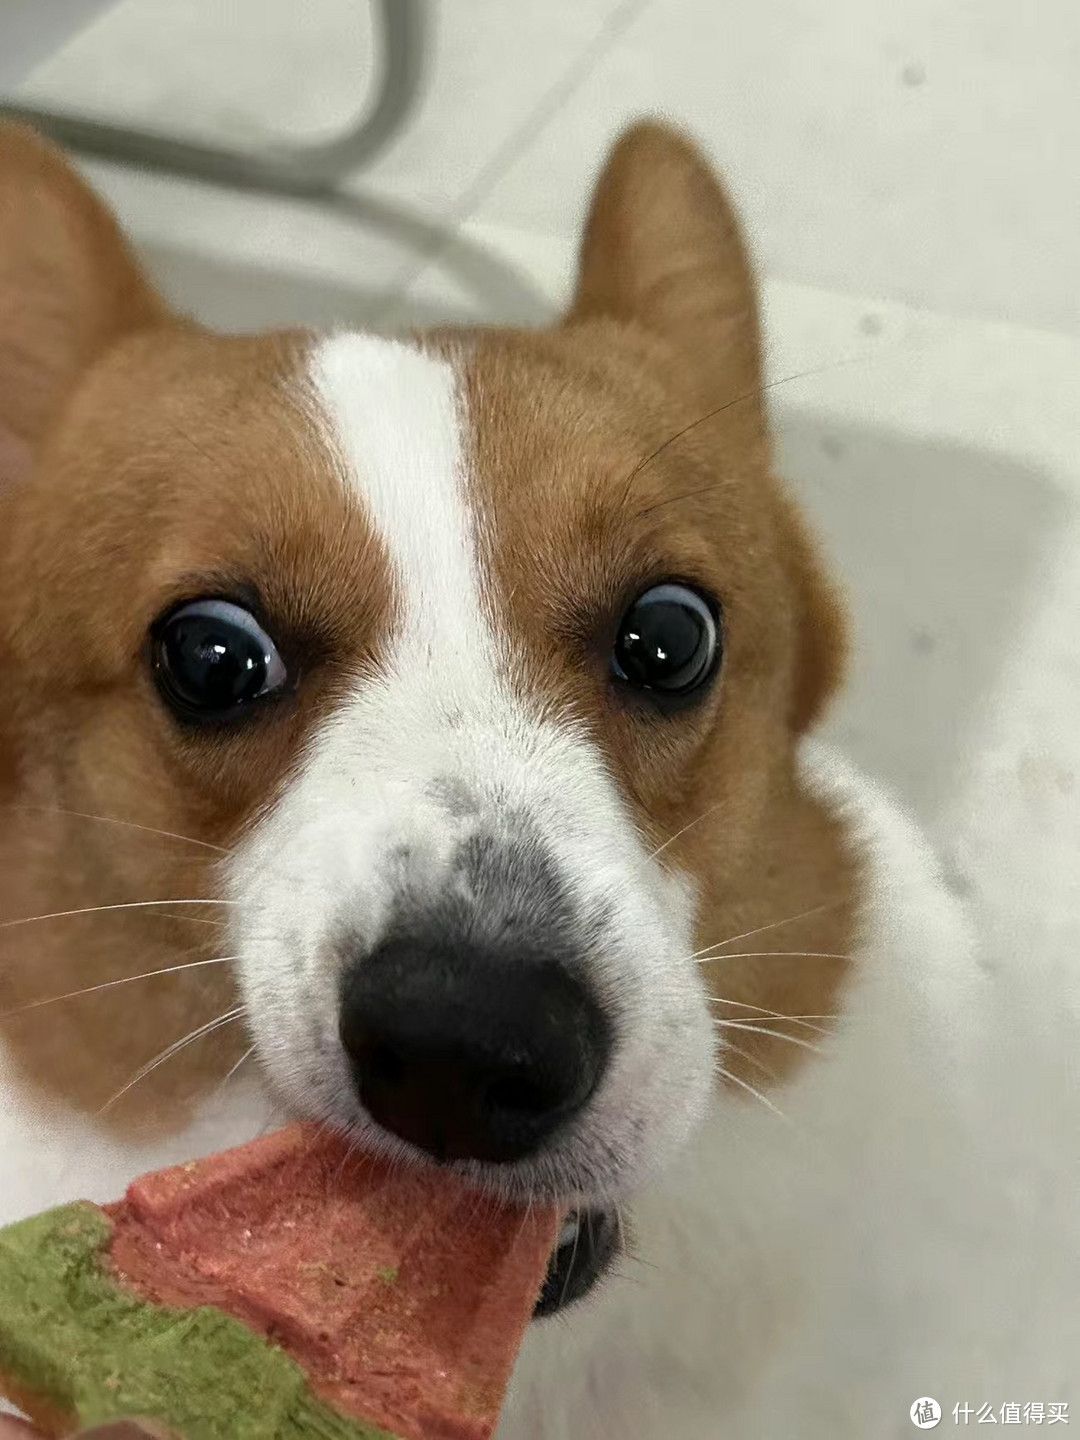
(418, 735)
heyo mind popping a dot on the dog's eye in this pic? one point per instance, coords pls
(212, 658)
(668, 641)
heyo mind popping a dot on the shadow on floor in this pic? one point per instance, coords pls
(939, 549)
(241, 296)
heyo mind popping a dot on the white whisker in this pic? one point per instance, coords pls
(192, 919)
(745, 1085)
(111, 984)
(573, 1262)
(772, 925)
(242, 1061)
(99, 909)
(112, 820)
(750, 1059)
(745, 1025)
(679, 833)
(704, 958)
(174, 1049)
(775, 1014)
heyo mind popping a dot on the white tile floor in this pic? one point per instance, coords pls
(921, 151)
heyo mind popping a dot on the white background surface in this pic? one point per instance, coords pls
(923, 151)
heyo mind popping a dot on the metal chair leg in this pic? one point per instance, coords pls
(295, 170)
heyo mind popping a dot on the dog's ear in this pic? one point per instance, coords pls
(663, 249)
(69, 286)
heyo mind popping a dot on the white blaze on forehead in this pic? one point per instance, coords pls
(397, 423)
(439, 748)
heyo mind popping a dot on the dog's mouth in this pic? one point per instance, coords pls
(587, 1246)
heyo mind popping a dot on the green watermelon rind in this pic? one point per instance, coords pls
(71, 1335)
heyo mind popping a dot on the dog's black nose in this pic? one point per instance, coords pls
(470, 1056)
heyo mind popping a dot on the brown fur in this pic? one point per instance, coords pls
(166, 461)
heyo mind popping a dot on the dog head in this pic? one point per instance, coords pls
(464, 674)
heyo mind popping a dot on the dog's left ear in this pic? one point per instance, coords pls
(69, 286)
(663, 250)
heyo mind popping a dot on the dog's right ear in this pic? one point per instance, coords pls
(69, 287)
